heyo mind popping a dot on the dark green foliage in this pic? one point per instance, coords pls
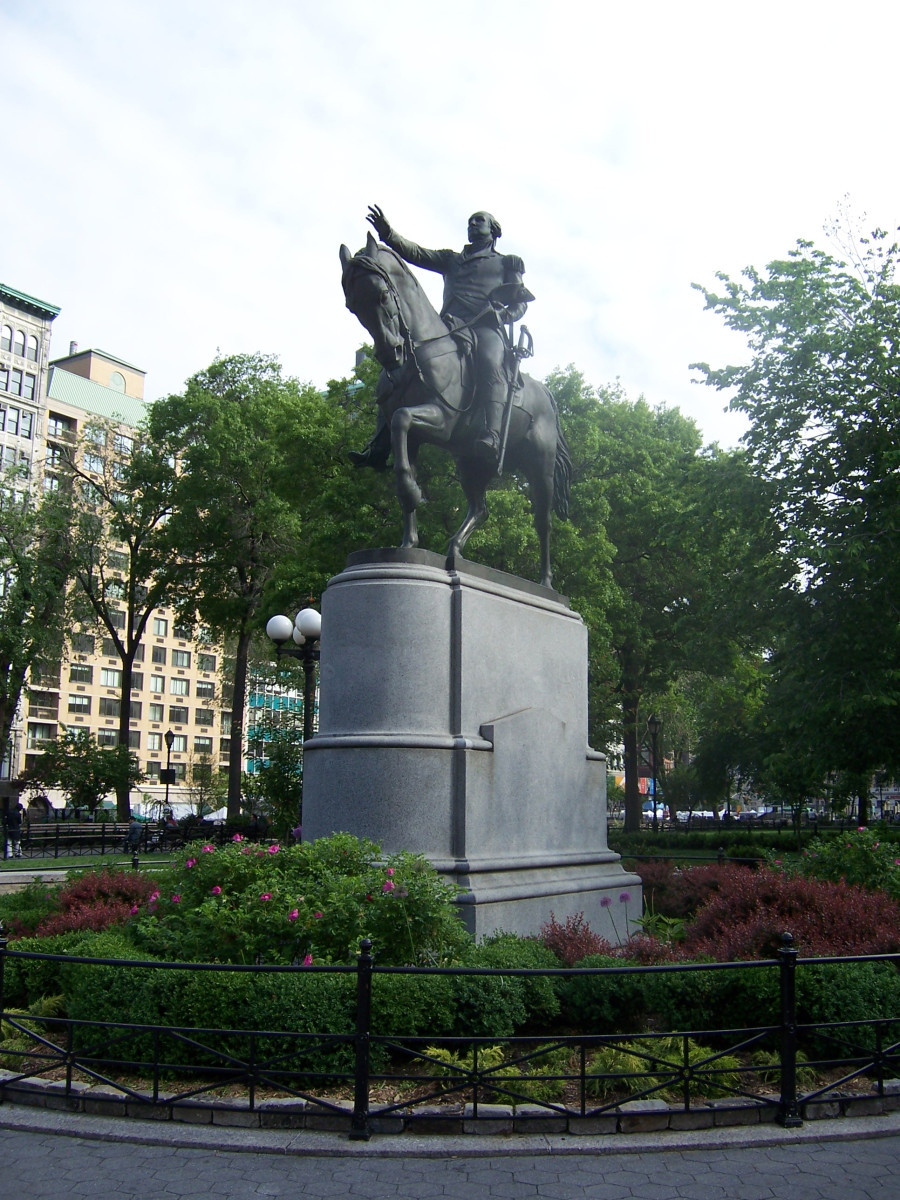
(21, 912)
(605, 1003)
(499, 1006)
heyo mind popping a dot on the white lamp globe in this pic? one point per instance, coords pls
(279, 628)
(298, 637)
(309, 622)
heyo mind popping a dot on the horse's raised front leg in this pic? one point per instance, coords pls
(541, 488)
(473, 476)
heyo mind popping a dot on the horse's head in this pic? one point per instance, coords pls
(371, 296)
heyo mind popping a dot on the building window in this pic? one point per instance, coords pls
(117, 381)
(107, 737)
(203, 745)
(110, 677)
(5, 338)
(157, 683)
(39, 732)
(81, 673)
(225, 722)
(156, 712)
(122, 443)
(206, 662)
(92, 462)
(82, 643)
(178, 715)
(183, 632)
(134, 710)
(154, 741)
(116, 560)
(109, 707)
(151, 769)
(179, 746)
(53, 457)
(137, 681)
(179, 687)
(160, 626)
(117, 619)
(134, 739)
(4, 387)
(31, 349)
(59, 426)
(15, 386)
(206, 690)
(159, 655)
(79, 704)
(108, 648)
(181, 658)
(204, 716)
(19, 343)
(28, 386)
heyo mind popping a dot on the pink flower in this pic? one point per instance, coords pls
(317, 915)
(274, 848)
(266, 896)
(390, 871)
(238, 837)
(307, 961)
(208, 849)
(293, 914)
(191, 862)
(388, 885)
(154, 895)
(134, 909)
(176, 899)
(217, 891)
(860, 829)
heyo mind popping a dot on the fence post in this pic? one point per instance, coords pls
(788, 1109)
(359, 1124)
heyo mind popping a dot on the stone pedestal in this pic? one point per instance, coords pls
(453, 723)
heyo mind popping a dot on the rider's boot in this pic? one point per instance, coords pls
(487, 445)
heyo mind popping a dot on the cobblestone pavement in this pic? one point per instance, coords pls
(121, 1164)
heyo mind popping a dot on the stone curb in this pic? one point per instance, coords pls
(631, 1117)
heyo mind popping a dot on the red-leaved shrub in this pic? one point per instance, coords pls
(97, 900)
(573, 939)
(750, 911)
(680, 892)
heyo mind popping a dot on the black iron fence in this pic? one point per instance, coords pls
(374, 1082)
(57, 839)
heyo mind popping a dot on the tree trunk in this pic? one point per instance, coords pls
(242, 654)
(123, 791)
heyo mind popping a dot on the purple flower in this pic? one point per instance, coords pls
(625, 897)
(176, 899)
(317, 915)
(605, 902)
(217, 891)
(307, 961)
(388, 885)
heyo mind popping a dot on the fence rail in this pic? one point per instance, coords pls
(433, 1080)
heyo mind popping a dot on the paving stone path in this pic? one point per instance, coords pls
(35, 1164)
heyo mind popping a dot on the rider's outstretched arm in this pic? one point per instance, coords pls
(418, 256)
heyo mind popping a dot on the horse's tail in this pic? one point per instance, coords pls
(562, 472)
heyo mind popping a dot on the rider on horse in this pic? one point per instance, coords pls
(472, 278)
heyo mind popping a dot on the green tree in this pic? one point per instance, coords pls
(259, 455)
(822, 391)
(125, 561)
(35, 561)
(82, 770)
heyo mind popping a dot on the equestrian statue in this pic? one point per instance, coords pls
(453, 379)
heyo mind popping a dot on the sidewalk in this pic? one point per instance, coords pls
(60, 1155)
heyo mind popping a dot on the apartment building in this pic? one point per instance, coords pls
(95, 399)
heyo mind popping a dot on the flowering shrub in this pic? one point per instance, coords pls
(310, 903)
(859, 858)
(748, 915)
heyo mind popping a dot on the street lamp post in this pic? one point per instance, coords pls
(169, 739)
(304, 631)
(654, 724)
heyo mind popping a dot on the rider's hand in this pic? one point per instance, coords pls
(380, 222)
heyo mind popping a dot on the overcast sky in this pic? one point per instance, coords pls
(178, 175)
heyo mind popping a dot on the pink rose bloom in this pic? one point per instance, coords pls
(209, 849)
(154, 895)
(217, 891)
(861, 829)
(134, 909)
(238, 837)
(176, 899)
(307, 962)
(390, 871)
(317, 915)
(293, 914)
(266, 896)
(274, 848)
(191, 862)
(388, 885)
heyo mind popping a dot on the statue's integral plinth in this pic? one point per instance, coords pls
(453, 722)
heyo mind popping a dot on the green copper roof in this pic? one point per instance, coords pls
(30, 303)
(95, 398)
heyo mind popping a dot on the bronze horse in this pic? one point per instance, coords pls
(425, 393)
